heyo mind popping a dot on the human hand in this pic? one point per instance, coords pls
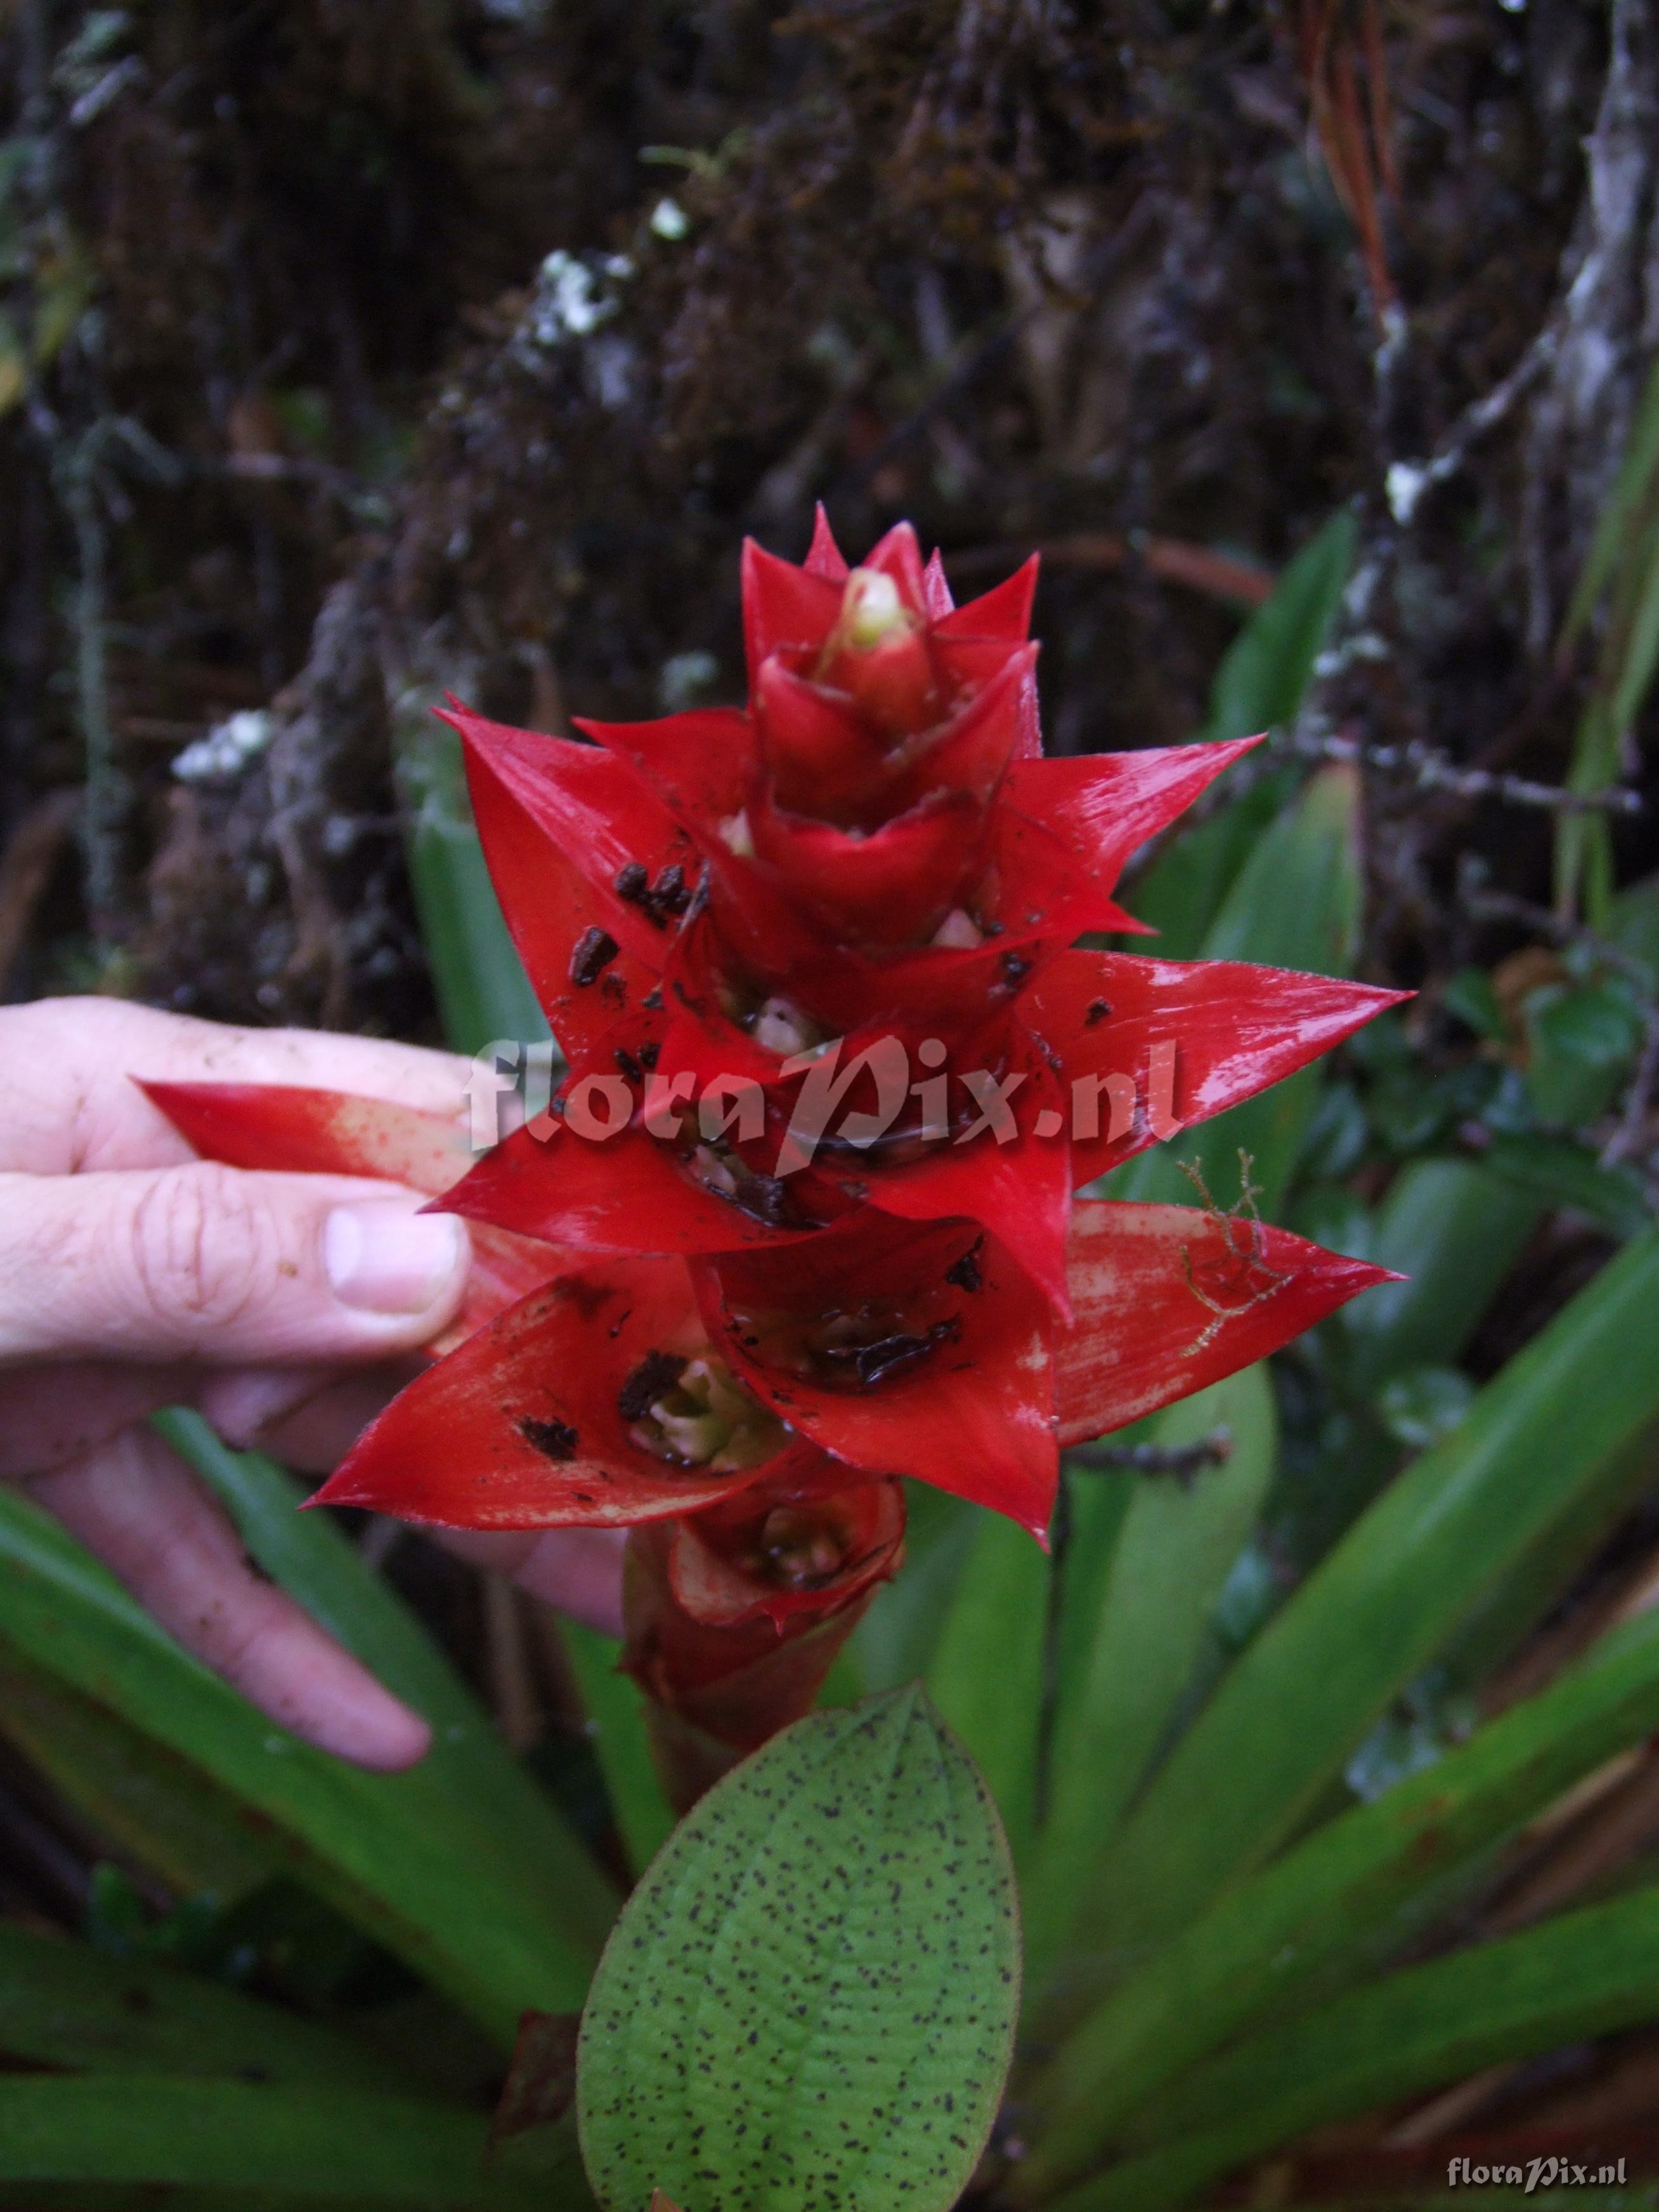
(287, 1308)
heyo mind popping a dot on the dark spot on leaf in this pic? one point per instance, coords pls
(1097, 1013)
(670, 893)
(766, 1197)
(966, 1274)
(657, 1372)
(595, 949)
(554, 1440)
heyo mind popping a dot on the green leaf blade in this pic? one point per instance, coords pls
(615, 1705)
(230, 2135)
(397, 1853)
(1318, 1916)
(1587, 1973)
(811, 1996)
(1578, 1400)
(1295, 904)
(986, 1676)
(63, 2004)
(1174, 1550)
(468, 1774)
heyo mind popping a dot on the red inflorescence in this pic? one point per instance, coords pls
(837, 1070)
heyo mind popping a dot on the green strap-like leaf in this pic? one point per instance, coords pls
(895, 1641)
(809, 2000)
(1266, 670)
(483, 990)
(985, 1673)
(1579, 1398)
(1259, 686)
(417, 1866)
(233, 2136)
(1311, 1917)
(143, 1798)
(1588, 1973)
(1295, 904)
(63, 2004)
(469, 1767)
(1454, 1230)
(615, 1705)
(1177, 1542)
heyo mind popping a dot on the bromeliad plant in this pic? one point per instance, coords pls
(836, 1068)
(1243, 1776)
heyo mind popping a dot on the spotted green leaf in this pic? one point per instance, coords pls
(809, 2000)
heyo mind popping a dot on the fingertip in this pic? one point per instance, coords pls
(398, 1741)
(375, 1731)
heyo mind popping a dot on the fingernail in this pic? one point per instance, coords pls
(383, 1259)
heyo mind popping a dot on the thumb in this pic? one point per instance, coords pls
(215, 1264)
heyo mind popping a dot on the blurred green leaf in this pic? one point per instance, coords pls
(1308, 1922)
(986, 1676)
(1622, 569)
(139, 1793)
(1141, 1633)
(896, 1640)
(1282, 1723)
(1632, 924)
(1424, 1405)
(483, 991)
(1266, 669)
(233, 2136)
(64, 2003)
(811, 1996)
(616, 1718)
(1259, 686)
(310, 1556)
(1580, 1042)
(1453, 1228)
(424, 1870)
(1296, 903)
(1470, 996)
(1584, 1974)
(1555, 1171)
(1338, 1135)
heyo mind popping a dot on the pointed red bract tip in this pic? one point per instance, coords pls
(824, 557)
(1168, 1300)
(936, 590)
(1004, 611)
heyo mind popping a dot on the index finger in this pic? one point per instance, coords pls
(67, 1102)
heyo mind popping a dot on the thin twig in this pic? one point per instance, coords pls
(26, 866)
(1172, 560)
(1407, 481)
(1433, 771)
(1059, 1545)
(1182, 1460)
(100, 824)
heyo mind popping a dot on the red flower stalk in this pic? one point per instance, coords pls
(807, 1223)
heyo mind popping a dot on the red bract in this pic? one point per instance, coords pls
(836, 1068)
